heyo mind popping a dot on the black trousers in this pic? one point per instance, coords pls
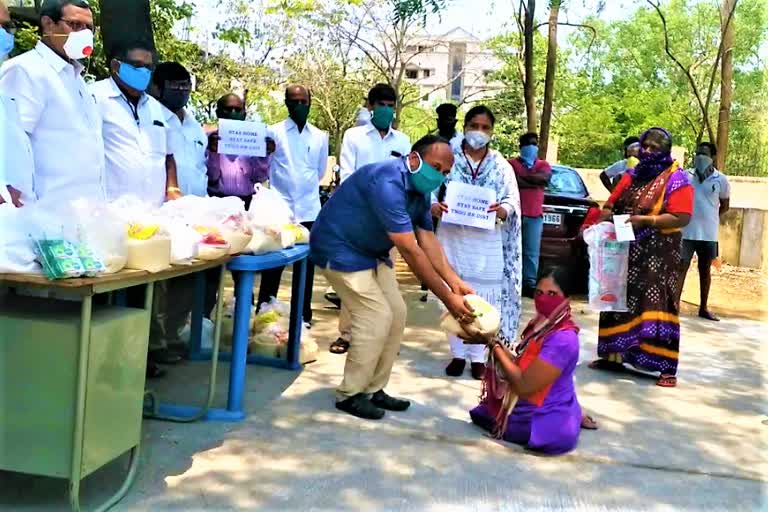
(270, 284)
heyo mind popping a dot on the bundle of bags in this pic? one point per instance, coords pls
(272, 223)
(608, 268)
(270, 334)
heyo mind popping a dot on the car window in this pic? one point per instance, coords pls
(566, 181)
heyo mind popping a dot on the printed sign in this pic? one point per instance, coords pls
(242, 138)
(624, 231)
(468, 206)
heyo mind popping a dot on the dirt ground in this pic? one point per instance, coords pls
(736, 292)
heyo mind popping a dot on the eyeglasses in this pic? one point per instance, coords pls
(77, 26)
(184, 86)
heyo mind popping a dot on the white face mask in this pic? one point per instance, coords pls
(477, 139)
(79, 44)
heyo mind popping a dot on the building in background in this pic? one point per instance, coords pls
(453, 67)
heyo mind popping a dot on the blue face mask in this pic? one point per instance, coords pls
(6, 43)
(133, 77)
(426, 179)
(528, 155)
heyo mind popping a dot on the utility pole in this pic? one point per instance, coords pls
(125, 20)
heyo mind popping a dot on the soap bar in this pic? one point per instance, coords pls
(59, 259)
(152, 255)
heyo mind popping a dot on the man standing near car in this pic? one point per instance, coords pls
(298, 164)
(711, 201)
(533, 176)
(612, 174)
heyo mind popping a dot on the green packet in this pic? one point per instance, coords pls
(59, 259)
(92, 264)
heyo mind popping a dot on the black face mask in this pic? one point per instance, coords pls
(230, 113)
(174, 100)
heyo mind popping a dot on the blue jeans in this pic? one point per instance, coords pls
(532, 228)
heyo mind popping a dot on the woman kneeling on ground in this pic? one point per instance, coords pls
(529, 396)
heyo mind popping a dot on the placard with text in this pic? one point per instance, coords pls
(468, 206)
(242, 138)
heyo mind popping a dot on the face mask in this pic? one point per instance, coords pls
(477, 139)
(382, 117)
(135, 78)
(6, 43)
(547, 304)
(298, 112)
(235, 115)
(528, 154)
(174, 100)
(426, 179)
(702, 164)
(79, 45)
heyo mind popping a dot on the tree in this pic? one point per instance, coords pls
(549, 79)
(726, 81)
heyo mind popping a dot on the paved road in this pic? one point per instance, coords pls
(701, 446)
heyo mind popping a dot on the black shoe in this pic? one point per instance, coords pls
(478, 371)
(424, 298)
(154, 371)
(455, 368)
(333, 299)
(384, 401)
(528, 292)
(164, 356)
(361, 406)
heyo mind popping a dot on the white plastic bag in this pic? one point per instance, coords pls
(17, 252)
(608, 268)
(269, 209)
(184, 242)
(206, 337)
(103, 232)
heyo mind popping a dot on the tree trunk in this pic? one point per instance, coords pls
(123, 21)
(549, 80)
(726, 83)
(530, 79)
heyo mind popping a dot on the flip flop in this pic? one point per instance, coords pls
(339, 346)
(667, 381)
(587, 423)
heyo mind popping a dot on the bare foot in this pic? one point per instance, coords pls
(706, 315)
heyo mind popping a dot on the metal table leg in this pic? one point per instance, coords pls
(186, 413)
(75, 476)
(297, 311)
(240, 343)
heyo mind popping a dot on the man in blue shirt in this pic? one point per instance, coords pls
(381, 206)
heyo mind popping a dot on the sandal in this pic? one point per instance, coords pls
(606, 365)
(587, 423)
(667, 381)
(339, 346)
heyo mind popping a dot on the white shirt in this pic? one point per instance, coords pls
(17, 165)
(363, 145)
(59, 114)
(135, 144)
(188, 143)
(707, 196)
(298, 164)
(456, 141)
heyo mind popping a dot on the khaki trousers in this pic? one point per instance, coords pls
(376, 312)
(345, 332)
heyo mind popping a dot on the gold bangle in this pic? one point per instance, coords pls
(173, 189)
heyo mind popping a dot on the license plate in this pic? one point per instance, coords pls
(554, 219)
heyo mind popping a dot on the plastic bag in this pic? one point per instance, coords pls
(184, 242)
(103, 233)
(269, 209)
(608, 268)
(487, 319)
(206, 337)
(17, 249)
(266, 240)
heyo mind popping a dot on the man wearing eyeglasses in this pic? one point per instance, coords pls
(172, 86)
(55, 107)
(139, 161)
(139, 158)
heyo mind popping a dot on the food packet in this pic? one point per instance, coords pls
(59, 259)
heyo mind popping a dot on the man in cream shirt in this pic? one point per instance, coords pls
(298, 164)
(370, 143)
(55, 108)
